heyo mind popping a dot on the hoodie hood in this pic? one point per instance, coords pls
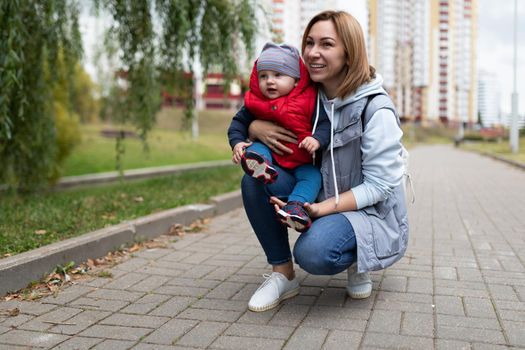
(375, 86)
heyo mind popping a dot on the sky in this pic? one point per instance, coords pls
(495, 42)
(496, 45)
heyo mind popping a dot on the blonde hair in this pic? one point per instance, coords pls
(349, 31)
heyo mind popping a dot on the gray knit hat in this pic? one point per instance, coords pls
(280, 58)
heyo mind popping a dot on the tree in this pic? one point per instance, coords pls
(192, 32)
(33, 34)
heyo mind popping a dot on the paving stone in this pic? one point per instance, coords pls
(182, 291)
(306, 338)
(383, 340)
(116, 332)
(220, 304)
(258, 317)
(503, 292)
(153, 254)
(15, 321)
(67, 295)
(78, 343)
(514, 331)
(119, 295)
(420, 285)
(79, 322)
(31, 339)
(481, 346)
(171, 331)
(336, 318)
(449, 273)
(143, 346)
(337, 340)
(242, 343)
(260, 331)
(191, 282)
(198, 271)
(210, 315)
(468, 322)
(114, 345)
(332, 297)
(126, 281)
(173, 306)
(99, 304)
(27, 307)
(478, 307)
(160, 271)
(222, 274)
(132, 265)
(417, 324)
(45, 321)
(203, 334)
(127, 320)
(150, 284)
(385, 321)
(145, 304)
(394, 284)
(445, 344)
(470, 334)
(449, 305)
(225, 290)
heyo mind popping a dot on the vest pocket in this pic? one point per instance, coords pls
(385, 245)
(350, 132)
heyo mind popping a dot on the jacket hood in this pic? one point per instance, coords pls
(373, 87)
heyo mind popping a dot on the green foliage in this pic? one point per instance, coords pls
(67, 137)
(32, 36)
(31, 221)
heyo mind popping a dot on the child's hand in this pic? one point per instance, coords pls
(238, 151)
(310, 144)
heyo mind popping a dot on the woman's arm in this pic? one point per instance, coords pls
(271, 135)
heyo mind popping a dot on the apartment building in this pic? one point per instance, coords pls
(426, 52)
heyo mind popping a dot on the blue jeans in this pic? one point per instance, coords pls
(307, 177)
(327, 248)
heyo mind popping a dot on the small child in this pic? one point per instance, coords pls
(281, 92)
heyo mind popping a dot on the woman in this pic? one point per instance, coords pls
(361, 219)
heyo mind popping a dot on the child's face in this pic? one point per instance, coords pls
(274, 84)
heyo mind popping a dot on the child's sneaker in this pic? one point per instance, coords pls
(256, 166)
(295, 216)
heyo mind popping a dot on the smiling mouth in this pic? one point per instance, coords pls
(317, 66)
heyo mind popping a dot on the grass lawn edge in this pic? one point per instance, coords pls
(21, 269)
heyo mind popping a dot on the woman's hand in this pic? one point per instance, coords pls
(238, 151)
(272, 135)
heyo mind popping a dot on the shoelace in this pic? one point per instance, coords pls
(268, 279)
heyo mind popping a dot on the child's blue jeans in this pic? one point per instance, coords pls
(307, 177)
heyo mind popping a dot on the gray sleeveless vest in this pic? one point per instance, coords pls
(382, 229)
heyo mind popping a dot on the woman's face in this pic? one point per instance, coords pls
(325, 56)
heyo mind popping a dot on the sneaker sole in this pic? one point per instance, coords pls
(283, 297)
(359, 295)
(293, 221)
(255, 166)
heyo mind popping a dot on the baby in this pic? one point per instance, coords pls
(281, 92)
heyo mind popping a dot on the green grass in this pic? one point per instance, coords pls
(414, 135)
(167, 144)
(499, 148)
(71, 213)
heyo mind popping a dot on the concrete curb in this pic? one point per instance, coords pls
(113, 176)
(18, 271)
(505, 160)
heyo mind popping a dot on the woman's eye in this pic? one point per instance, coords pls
(309, 43)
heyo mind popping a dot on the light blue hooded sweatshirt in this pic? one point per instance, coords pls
(368, 161)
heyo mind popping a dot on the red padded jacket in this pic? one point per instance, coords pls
(293, 112)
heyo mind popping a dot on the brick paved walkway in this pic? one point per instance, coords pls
(460, 286)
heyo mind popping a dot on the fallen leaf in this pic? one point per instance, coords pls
(176, 230)
(7, 255)
(10, 312)
(134, 248)
(155, 244)
(90, 263)
(40, 232)
(138, 199)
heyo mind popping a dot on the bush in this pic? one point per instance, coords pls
(67, 137)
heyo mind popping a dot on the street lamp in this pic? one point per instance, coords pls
(514, 132)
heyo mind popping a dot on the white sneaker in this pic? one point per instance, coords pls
(275, 289)
(359, 284)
